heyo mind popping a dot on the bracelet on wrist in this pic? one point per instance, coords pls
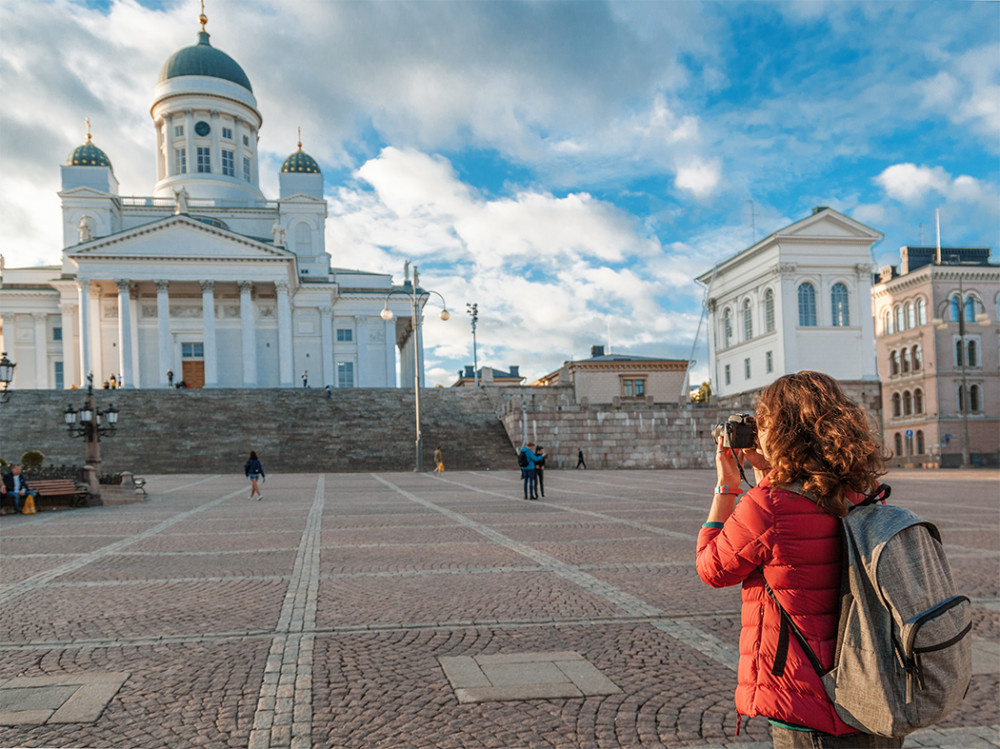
(733, 491)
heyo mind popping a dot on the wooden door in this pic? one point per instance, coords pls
(193, 373)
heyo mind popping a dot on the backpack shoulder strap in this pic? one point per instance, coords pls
(790, 627)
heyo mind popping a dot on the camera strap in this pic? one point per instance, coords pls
(739, 465)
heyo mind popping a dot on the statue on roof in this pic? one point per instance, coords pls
(181, 197)
(278, 231)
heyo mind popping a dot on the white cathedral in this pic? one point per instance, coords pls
(205, 281)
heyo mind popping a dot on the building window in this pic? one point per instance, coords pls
(747, 320)
(904, 360)
(204, 159)
(839, 307)
(303, 240)
(911, 317)
(58, 371)
(907, 403)
(917, 358)
(228, 163)
(899, 443)
(769, 362)
(180, 161)
(918, 401)
(246, 140)
(728, 376)
(920, 442)
(896, 405)
(178, 131)
(972, 354)
(893, 363)
(959, 352)
(807, 306)
(345, 335)
(727, 328)
(970, 308)
(192, 350)
(909, 443)
(900, 318)
(246, 169)
(887, 328)
(227, 133)
(57, 334)
(769, 311)
(345, 374)
(921, 311)
(974, 398)
(633, 388)
(746, 369)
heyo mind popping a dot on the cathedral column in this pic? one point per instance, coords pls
(216, 143)
(390, 353)
(326, 343)
(249, 335)
(85, 362)
(285, 342)
(163, 332)
(68, 350)
(361, 325)
(208, 318)
(192, 162)
(41, 350)
(125, 334)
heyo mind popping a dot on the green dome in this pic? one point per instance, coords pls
(204, 59)
(301, 163)
(88, 155)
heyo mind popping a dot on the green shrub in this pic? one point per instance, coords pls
(32, 459)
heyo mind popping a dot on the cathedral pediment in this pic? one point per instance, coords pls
(829, 224)
(179, 237)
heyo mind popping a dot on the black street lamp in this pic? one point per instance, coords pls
(415, 293)
(473, 310)
(6, 376)
(958, 304)
(86, 423)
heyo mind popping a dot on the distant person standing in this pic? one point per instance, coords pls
(438, 460)
(540, 472)
(305, 379)
(528, 460)
(254, 471)
(579, 458)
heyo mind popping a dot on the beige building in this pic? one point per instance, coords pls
(469, 378)
(620, 379)
(936, 322)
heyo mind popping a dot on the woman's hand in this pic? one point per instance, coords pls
(726, 466)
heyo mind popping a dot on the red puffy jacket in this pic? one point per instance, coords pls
(785, 538)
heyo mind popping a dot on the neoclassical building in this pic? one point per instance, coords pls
(797, 299)
(205, 278)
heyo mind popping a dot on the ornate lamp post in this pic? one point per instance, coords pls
(415, 293)
(940, 323)
(6, 376)
(473, 310)
(91, 429)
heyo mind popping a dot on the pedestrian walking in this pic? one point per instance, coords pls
(810, 438)
(579, 458)
(540, 471)
(438, 460)
(254, 471)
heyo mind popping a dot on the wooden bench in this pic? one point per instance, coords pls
(52, 488)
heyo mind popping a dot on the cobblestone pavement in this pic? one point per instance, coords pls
(317, 617)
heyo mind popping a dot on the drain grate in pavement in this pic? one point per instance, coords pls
(67, 698)
(524, 676)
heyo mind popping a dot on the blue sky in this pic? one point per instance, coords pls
(570, 166)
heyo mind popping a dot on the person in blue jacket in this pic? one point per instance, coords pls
(528, 470)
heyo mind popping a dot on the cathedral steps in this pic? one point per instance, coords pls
(213, 431)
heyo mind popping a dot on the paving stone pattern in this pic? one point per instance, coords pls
(342, 610)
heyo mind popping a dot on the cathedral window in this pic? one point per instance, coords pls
(807, 306)
(204, 159)
(747, 320)
(728, 375)
(345, 335)
(178, 131)
(246, 140)
(227, 133)
(769, 311)
(345, 374)
(180, 161)
(838, 301)
(228, 163)
(246, 169)
(769, 361)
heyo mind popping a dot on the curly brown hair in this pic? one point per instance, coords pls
(819, 438)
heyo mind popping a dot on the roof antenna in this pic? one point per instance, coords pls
(203, 19)
(753, 219)
(937, 214)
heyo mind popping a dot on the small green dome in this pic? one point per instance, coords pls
(204, 59)
(88, 155)
(301, 163)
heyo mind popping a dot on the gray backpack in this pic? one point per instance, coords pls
(903, 658)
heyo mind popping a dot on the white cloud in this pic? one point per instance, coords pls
(699, 177)
(910, 183)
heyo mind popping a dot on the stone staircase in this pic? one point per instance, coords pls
(213, 431)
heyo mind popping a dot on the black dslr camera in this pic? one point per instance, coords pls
(738, 432)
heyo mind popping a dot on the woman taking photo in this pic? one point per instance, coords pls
(811, 440)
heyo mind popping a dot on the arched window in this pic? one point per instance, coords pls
(920, 442)
(727, 328)
(972, 352)
(970, 308)
(974, 398)
(303, 240)
(900, 320)
(899, 443)
(961, 399)
(904, 360)
(907, 403)
(909, 443)
(918, 401)
(769, 311)
(921, 311)
(893, 363)
(911, 316)
(896, 405)
(959, 352)
(955, 307)
(917, 358)
(839, 307)
(807, 305)
(747, 320)
(887, 328)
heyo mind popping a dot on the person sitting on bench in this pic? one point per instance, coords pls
(15, 489)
